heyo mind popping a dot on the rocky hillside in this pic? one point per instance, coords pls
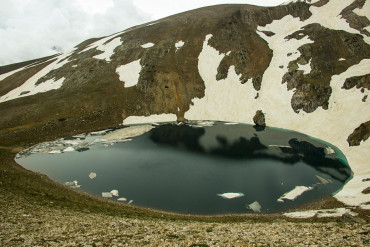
(304, 64)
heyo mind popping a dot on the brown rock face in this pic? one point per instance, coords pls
(92, 95)
(259, 119)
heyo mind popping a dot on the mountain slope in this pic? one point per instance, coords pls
(305, 65)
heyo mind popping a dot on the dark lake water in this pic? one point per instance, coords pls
(193, 168)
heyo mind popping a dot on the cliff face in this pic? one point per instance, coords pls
(305, 65)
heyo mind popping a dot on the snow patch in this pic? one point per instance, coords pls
(305, 68)
(108, 49)
(341, 59)
(129, 73)
(293, 194)
(337, 212)
(179, 44)
(99, 44)
(150, 119)
(147, 45)
(364, 11)
(30, 88)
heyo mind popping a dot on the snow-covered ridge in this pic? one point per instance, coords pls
(30, 87)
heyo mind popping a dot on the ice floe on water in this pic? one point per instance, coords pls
(82, 142)
(230, 195)
(323, 180)
(74, 184)
(255, 206)
(106, 194)
(122, 199)
(92, 175)
(293, 194)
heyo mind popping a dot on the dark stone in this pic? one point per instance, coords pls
(358, 82)
(361, 133)
(347, 218)
(364, 98)
(259, 119)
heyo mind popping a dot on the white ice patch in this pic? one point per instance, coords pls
(114, 193)
(323, 180)
(128, 132)
(74, 184)
(150, 119)
(255, 206)
(30, 88)
(337, 212)
(342, 59)
(69, 149)
(147, 45)
(293, 194)
(129, 73)
(179, 44)
(329, 150)
(230, 195)
(108, 49)
(92, 175)
(106, 194)
(55, 152)
(122, 199)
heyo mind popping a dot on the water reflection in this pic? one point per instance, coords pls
(241, 147)
(195, 168)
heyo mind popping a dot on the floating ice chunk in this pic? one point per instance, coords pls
(128, 132)
(231, 195)
(329, 150)
(98, 133)
(122, 199)
(106, 194)
(131, 201)
(114, 192)
(74, 184)
(293, 194)
(55, 152)
(255, 206)
(179, 44)
(230, 123)
(147, 45)
(69, 149)
(323, 180)
(92, 175)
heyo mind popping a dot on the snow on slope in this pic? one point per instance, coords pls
(129, 73)
(30, 88)
(108, 49)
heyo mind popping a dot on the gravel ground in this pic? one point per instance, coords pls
(27, 223)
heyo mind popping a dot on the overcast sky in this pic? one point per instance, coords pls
(36, 28)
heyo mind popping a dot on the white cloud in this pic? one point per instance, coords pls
(162, 8)
(32, 29)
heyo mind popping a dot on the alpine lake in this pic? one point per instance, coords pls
(197, 167)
